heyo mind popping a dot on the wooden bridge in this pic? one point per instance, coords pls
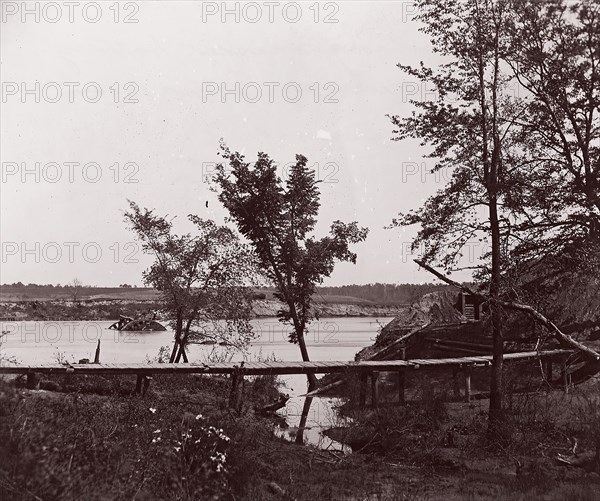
(237, 370)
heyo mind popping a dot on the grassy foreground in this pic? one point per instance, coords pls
(181, 442)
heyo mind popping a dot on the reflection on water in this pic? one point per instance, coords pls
(328, 339)
(306, 426)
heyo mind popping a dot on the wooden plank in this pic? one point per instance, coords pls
(257, 368)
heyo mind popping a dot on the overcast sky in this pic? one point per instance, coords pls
(267, 76)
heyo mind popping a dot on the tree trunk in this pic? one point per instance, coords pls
(299, 328)
(496, 383)
(178, 329)
(182, 344)
(312, 379)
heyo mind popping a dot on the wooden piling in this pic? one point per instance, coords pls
(362, 398)
(401, 387)
(402, 380)
(456, 384)
(236, 395)
(467, 386)
(33, 380)
(566, 379)
(548, 370)
(375, 388)
(235, 381)
(139, 383)
(147, 380)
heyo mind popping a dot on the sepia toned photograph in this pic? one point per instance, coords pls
(300, 251)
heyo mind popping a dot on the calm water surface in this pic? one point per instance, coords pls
(328, 339)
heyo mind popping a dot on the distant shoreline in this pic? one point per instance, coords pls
(110, 309)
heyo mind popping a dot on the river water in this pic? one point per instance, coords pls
(328, 339)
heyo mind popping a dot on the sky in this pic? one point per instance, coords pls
(105, 102)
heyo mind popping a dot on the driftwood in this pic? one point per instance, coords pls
(323, 388)
(272, 408)
(511, 305)
(583, 460)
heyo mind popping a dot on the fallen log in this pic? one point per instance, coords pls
(322, 389)
(561, 336)
(274, 407)
(384, 352)
(583, 460)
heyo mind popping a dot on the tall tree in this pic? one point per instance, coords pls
(555, 57)
(278, 218)
(470, 128)
(203, 279)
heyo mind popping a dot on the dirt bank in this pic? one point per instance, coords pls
(111, 309)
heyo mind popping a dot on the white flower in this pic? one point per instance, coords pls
(156, 431)
(152, 410)
(199, 416)
(155, 440)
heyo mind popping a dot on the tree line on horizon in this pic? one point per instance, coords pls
(383, 293)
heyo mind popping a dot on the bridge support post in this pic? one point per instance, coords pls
(362, 397)
(401, 387)
(375, 388)
(147, 380)
(142, 383)
(548, 370)
(566, 378)
(467, 385)
(33, 380)
(236, 394)
(456, 384)
(402, 380)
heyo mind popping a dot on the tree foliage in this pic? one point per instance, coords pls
(204, 279)
(278, 218)
(554, 55)
(516, 122)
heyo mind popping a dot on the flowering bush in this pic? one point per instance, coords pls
(197, 457)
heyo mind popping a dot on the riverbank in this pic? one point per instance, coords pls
(181, 441)
(110, 309)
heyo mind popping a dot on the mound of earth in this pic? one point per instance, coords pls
(566, 289)
(434, 308)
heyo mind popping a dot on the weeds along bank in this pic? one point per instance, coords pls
(94, 440)
(97, 441)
